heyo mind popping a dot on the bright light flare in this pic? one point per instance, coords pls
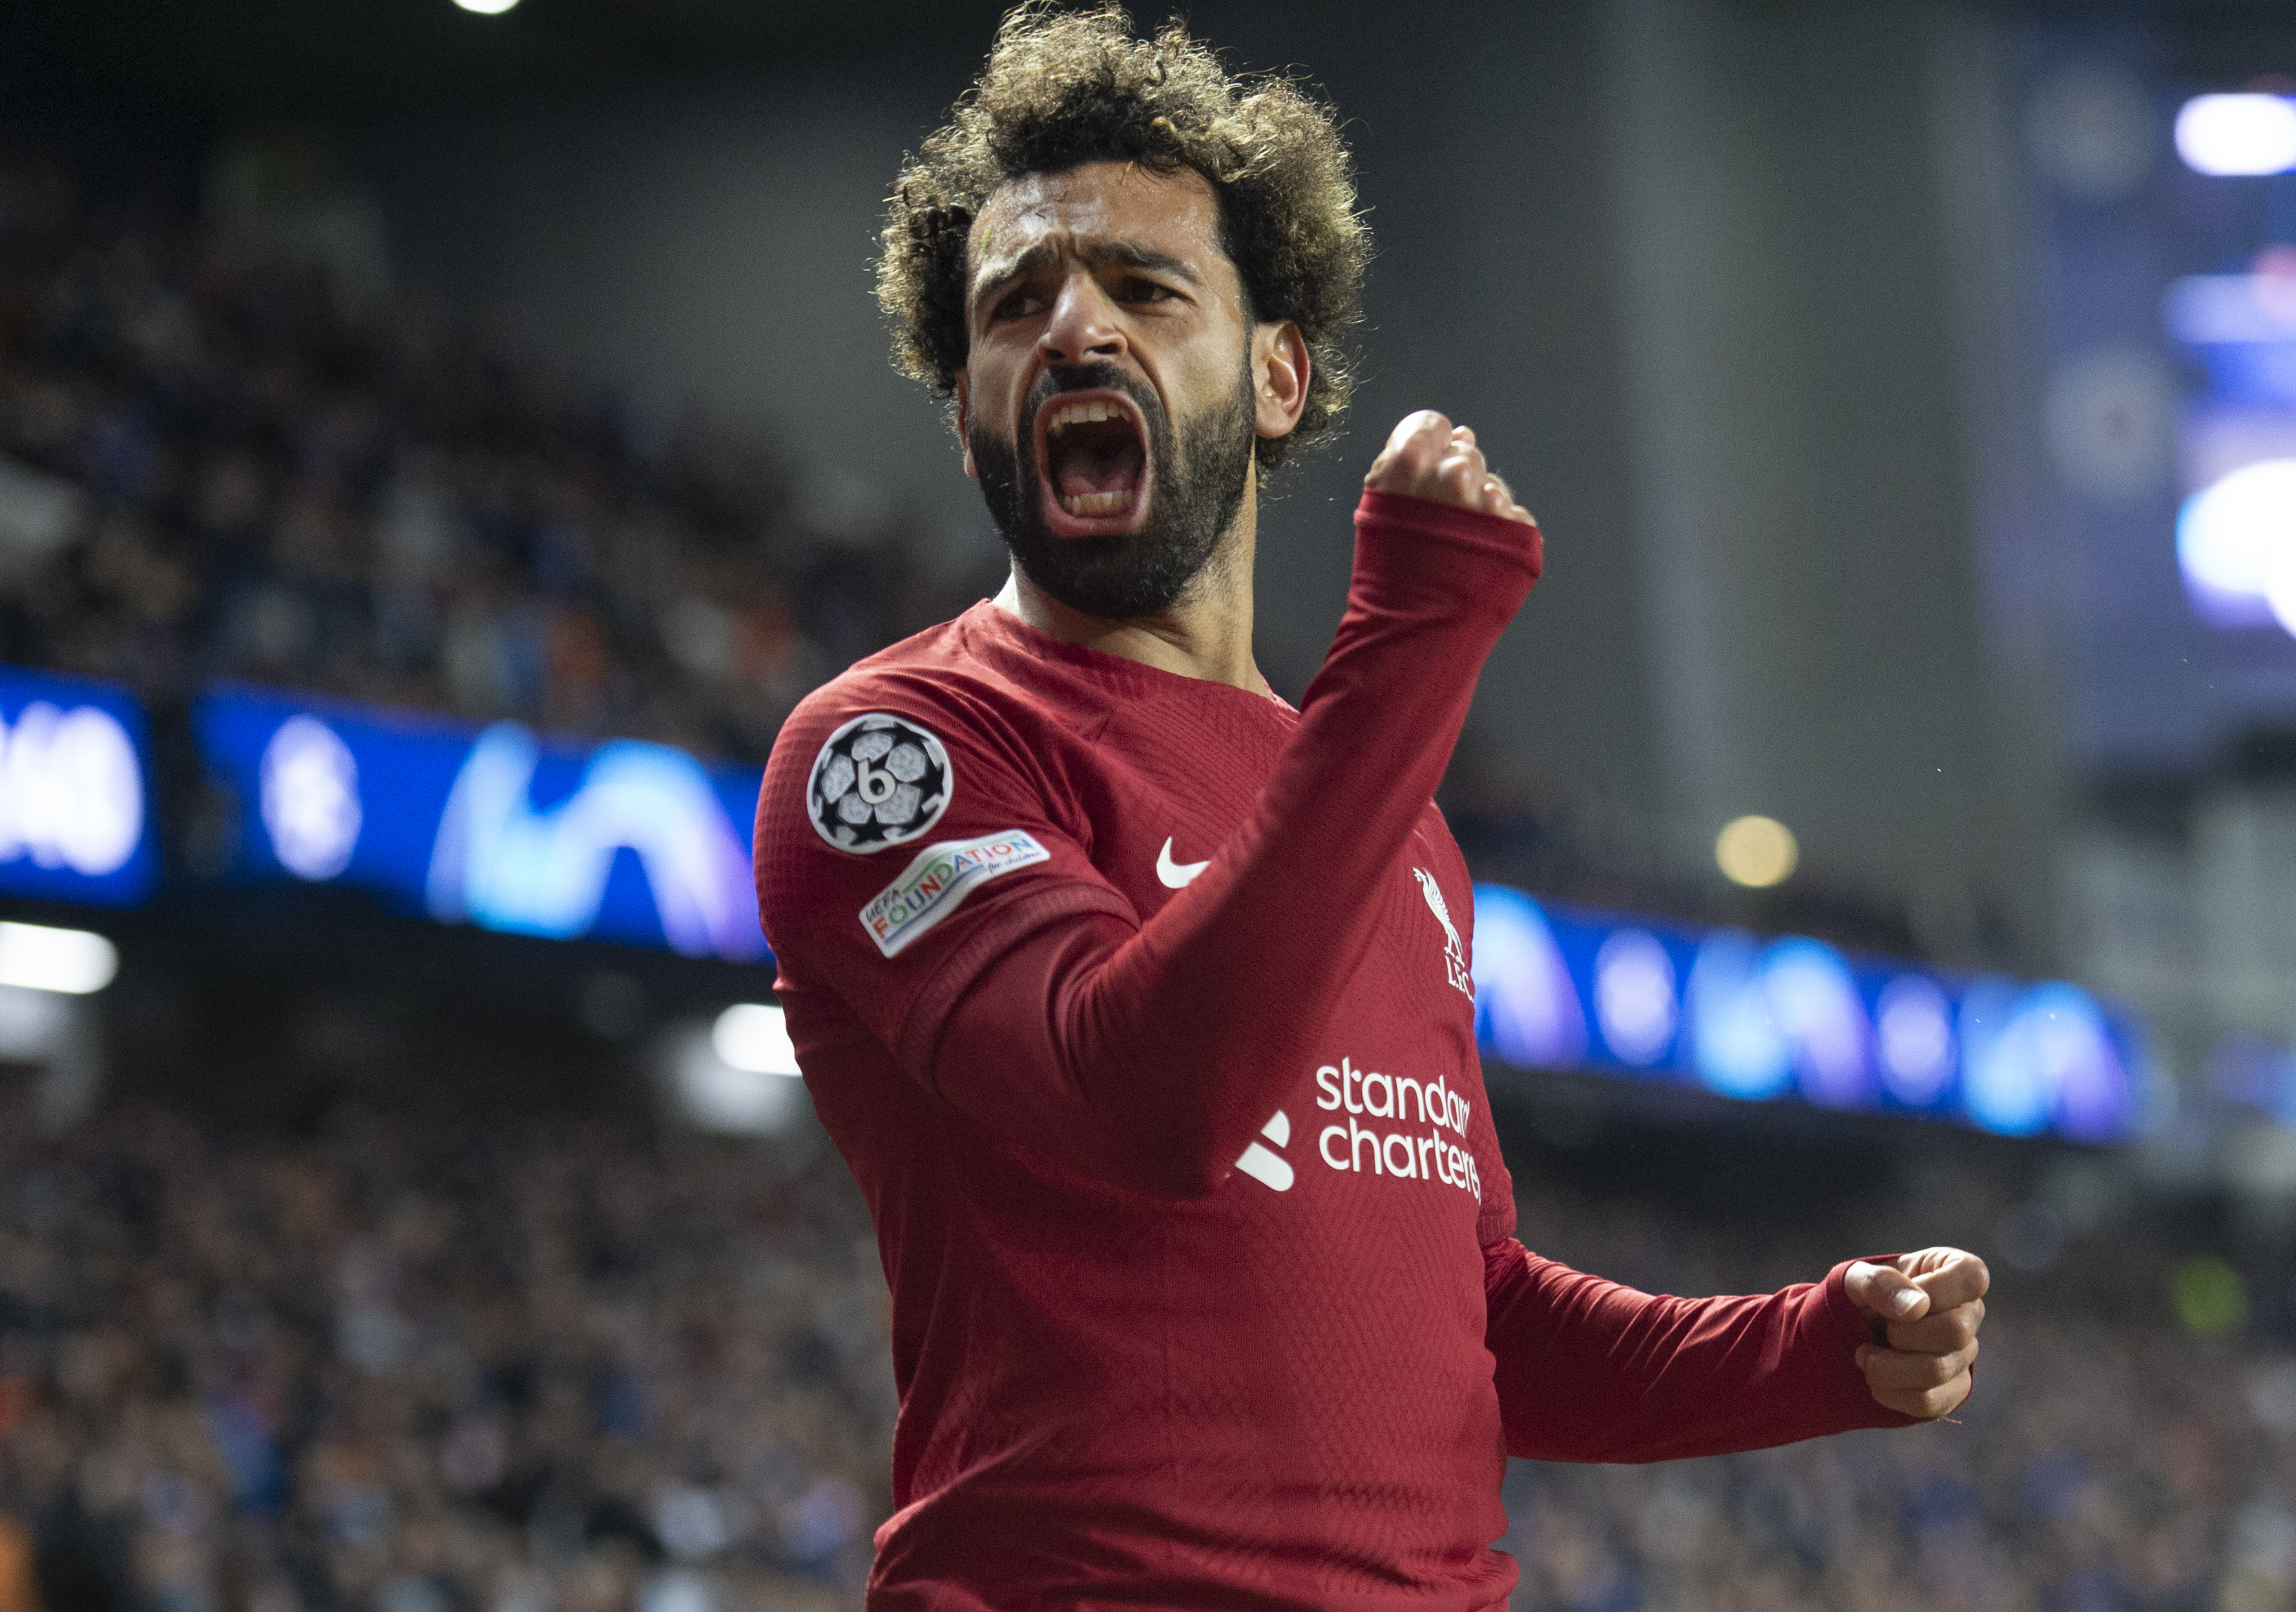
(38, 958)
(486, 8)
(2236, 539)
(753, 1037)
(2235, 135)
(1755, 852)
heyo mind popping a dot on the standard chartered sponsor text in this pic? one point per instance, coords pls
(1404, 1154)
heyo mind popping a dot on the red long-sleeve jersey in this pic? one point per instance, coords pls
(1140, 1006)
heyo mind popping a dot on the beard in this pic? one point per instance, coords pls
(1195, 486)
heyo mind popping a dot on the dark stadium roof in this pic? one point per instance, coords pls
(302, 59)
(306, 58)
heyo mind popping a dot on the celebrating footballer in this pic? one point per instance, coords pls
(1137, 1000)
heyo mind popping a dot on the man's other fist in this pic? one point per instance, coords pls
(1929, 1306)
(1427, 456)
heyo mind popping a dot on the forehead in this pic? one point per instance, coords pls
(1096, 204)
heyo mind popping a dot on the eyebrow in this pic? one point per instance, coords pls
(1098, 255)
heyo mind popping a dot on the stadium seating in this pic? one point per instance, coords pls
(213, 462)
(528, 1363)
(521, 1366)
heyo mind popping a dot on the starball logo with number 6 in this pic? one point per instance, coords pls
(880, 780)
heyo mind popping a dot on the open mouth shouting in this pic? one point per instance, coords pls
(1092, 463)
(1108, 505)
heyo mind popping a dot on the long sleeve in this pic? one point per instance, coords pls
(1590, 1370)
(1154, 1053)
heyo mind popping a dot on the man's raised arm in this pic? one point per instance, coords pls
(1152, 1055)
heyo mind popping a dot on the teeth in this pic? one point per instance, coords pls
(1096, 503)
(1084, 414)
(1091, 505)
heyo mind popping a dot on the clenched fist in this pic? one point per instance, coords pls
(1427, 456)
(1928, 1307)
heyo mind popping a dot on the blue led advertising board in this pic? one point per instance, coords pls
(76, 818)
(622, 841)
(1756, 1018)
(641, 844)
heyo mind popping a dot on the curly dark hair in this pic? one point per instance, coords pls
(1065, 88)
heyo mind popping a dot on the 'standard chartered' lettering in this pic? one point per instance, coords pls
(1361, 1149)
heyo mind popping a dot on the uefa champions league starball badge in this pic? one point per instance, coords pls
(880, 781)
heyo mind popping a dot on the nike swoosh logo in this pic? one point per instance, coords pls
(1176, 875)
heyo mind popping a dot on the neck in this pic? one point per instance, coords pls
(1206, 635)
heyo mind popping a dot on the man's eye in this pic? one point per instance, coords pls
(1136, 289)
(1016, 305)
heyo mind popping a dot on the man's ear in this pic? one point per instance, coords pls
(1280, 368)
(964, 421)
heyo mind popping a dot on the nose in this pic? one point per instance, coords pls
(1084, 324)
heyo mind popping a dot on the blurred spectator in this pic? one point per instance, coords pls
(2111, 1460)
(19, 1590)
(524, 1366)
(213, 462)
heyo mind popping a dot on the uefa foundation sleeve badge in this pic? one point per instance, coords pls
(880, 781)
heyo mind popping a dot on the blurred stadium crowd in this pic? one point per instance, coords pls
(534, 1367)
(543, 1366)
(215, 463)
(2123, 1451)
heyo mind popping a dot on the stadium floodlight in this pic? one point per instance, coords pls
(72, 961)
(753, 1037)
(486, 8)
(715, 1094)
(1757, 852)
(2237, 135)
